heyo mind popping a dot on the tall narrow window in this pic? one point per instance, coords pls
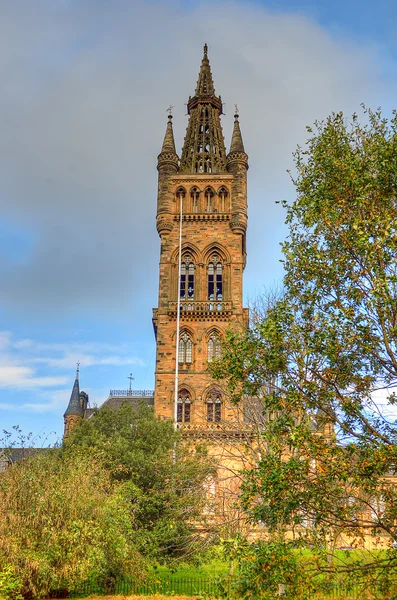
(185, 349)
(214, 347)
(215, 280)
(186, 289)
(209, 197)
(222, 195)
(214, 406)
(183, 408)
(180, 192)
(195, 198)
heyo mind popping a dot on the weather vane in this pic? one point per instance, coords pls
(130, 377)
(169, 110)
(236, 109)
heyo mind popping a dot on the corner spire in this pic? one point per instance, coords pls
(168, 155)
(169, 142)
(237, 144)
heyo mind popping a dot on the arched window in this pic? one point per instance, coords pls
(223, 195)
(214, 406)
(180, 192)
(214, 347)
(215, 281)
(209, 199)
(183, 409)
(186, 288)
(185, 349)
(194, 194)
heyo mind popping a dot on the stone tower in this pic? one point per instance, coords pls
(213, 189)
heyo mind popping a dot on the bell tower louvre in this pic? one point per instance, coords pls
(202, 209)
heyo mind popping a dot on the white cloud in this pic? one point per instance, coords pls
(20, 362)
(85, 87)
(19, 377)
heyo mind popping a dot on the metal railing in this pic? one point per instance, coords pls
(216, 587)
(131, 393)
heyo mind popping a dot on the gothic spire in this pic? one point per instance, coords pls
(237, 140)
(205, 84)
(168, 153)
(74, 407)
(204, 146)
(169, 143)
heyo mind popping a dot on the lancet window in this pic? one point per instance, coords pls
(222, 197)
(185, 349)
(194, 194)
(209, 200)
(180, 192)
(183, 407)
(214, 347)
(214, 406)
(186, 288)
(215, 278)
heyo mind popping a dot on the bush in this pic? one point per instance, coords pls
(10, 585)
(63, 522)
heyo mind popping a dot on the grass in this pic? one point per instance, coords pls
(214, 568)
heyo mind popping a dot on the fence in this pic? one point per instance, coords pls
(170, 586)
(200, 587)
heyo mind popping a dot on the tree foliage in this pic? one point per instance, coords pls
(324, 357)
(163, 476)
(61, 522)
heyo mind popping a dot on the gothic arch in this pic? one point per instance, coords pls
(187, 329)
(185, 386)
(216, 248)
(187, 247)
(180, 190)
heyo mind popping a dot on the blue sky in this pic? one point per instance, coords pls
(85, 85)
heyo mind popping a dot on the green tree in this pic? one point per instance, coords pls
(162, 475)
(323, 359)
(62, 522)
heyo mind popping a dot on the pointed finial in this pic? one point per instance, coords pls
(169, 143)
(205, 51)
(237, 140)
(77, 369)
(130, 377)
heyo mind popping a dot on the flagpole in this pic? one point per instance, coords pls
(178, 315)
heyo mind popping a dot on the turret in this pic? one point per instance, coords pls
(167, 165)
(237, 164)
(76, 407)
